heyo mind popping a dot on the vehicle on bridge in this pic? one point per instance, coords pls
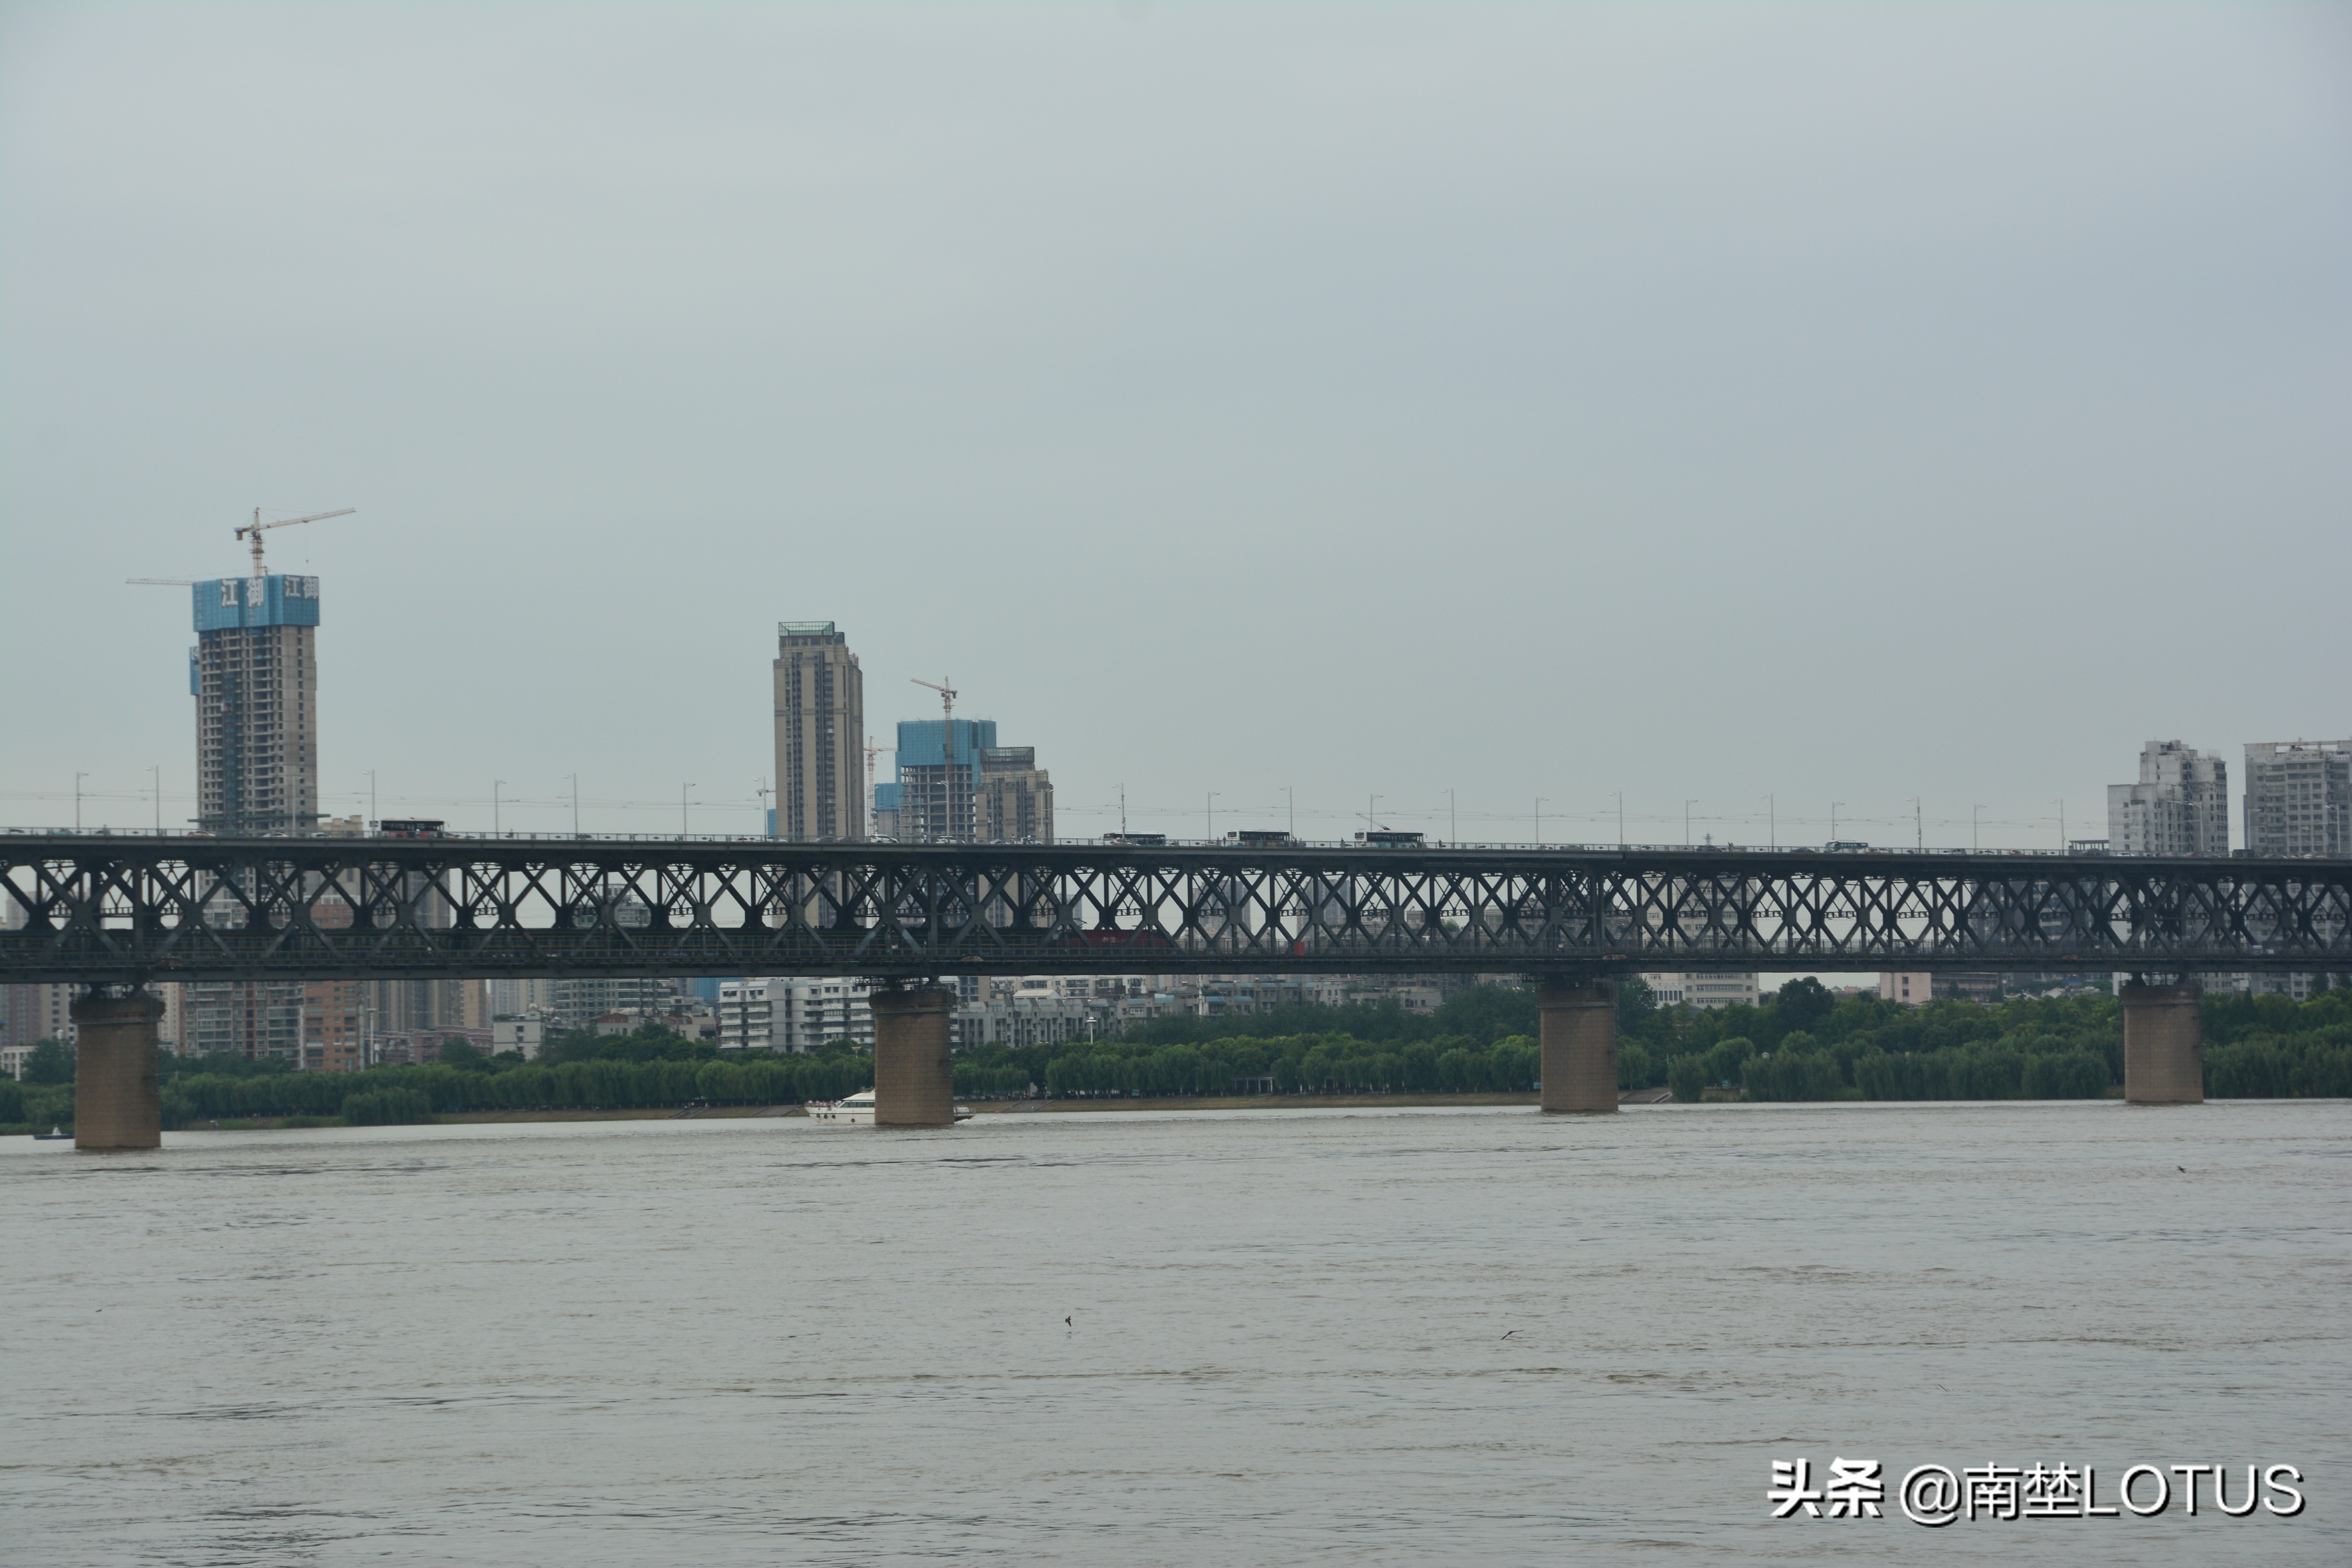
(1110, 939)
(1381, 837)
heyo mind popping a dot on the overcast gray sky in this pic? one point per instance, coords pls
(1839, 404)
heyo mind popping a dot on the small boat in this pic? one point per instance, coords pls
(857, 1111)
(52, 1133)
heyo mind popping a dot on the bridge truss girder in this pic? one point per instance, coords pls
(106, 910)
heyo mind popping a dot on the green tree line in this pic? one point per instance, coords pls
(1801, 1044)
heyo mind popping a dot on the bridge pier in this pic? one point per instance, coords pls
(1579, 1043)
(118, 1088)
(2164, 1043)
(914, 1082)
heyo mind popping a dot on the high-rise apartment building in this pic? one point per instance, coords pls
(786, 1014)
(939, 766)
(820, 733)
(257, 1020)
(2179, 806)
(254, 673)
(2299, 798)
(580, 1002)
(1012, 801)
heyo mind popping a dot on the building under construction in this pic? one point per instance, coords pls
(254, 673)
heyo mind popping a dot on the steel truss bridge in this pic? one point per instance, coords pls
(113, 910)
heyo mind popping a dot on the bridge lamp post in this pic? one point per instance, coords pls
(1976, 818)
(1290, 793)
(1687, 803)
(1210, 809)
(1772, 822)
(1371, 813)
(681, 809)
(77, 778)
(156, 769)
(1452, 824)
(1540, 806)
(575, 804)
(1620, 820)
(495, 786)
(1833, 811)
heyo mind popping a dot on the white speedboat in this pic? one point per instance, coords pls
(857, 1111)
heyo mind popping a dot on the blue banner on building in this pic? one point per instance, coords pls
(226, 604)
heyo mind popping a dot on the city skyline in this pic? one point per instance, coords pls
(1493, 478)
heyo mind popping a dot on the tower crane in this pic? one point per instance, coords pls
(947, 694)
(256, 527)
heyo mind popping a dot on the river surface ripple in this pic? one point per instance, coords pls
(1421, 1336)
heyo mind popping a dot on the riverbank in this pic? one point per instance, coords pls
(1247, 1102)
(985, 1107)
(446, 1118)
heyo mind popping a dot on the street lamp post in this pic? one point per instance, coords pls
(1687, 803)
(575, 804)
(1540, 806)
(77, 778)
(495, 786)
(1976, 836)
(1833, 811)
(681, 809)
(1210, 809)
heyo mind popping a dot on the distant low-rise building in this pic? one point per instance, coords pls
(1028, 1022)
(523, 1035)
(415, 1047)
(1916, 988)
(1702, 991)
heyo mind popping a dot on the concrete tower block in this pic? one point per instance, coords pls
(1580, 1043)
(117, 1092)
(2164, 1045)
(914, 1086)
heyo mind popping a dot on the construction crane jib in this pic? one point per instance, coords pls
(256, 527)
(947, 691)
